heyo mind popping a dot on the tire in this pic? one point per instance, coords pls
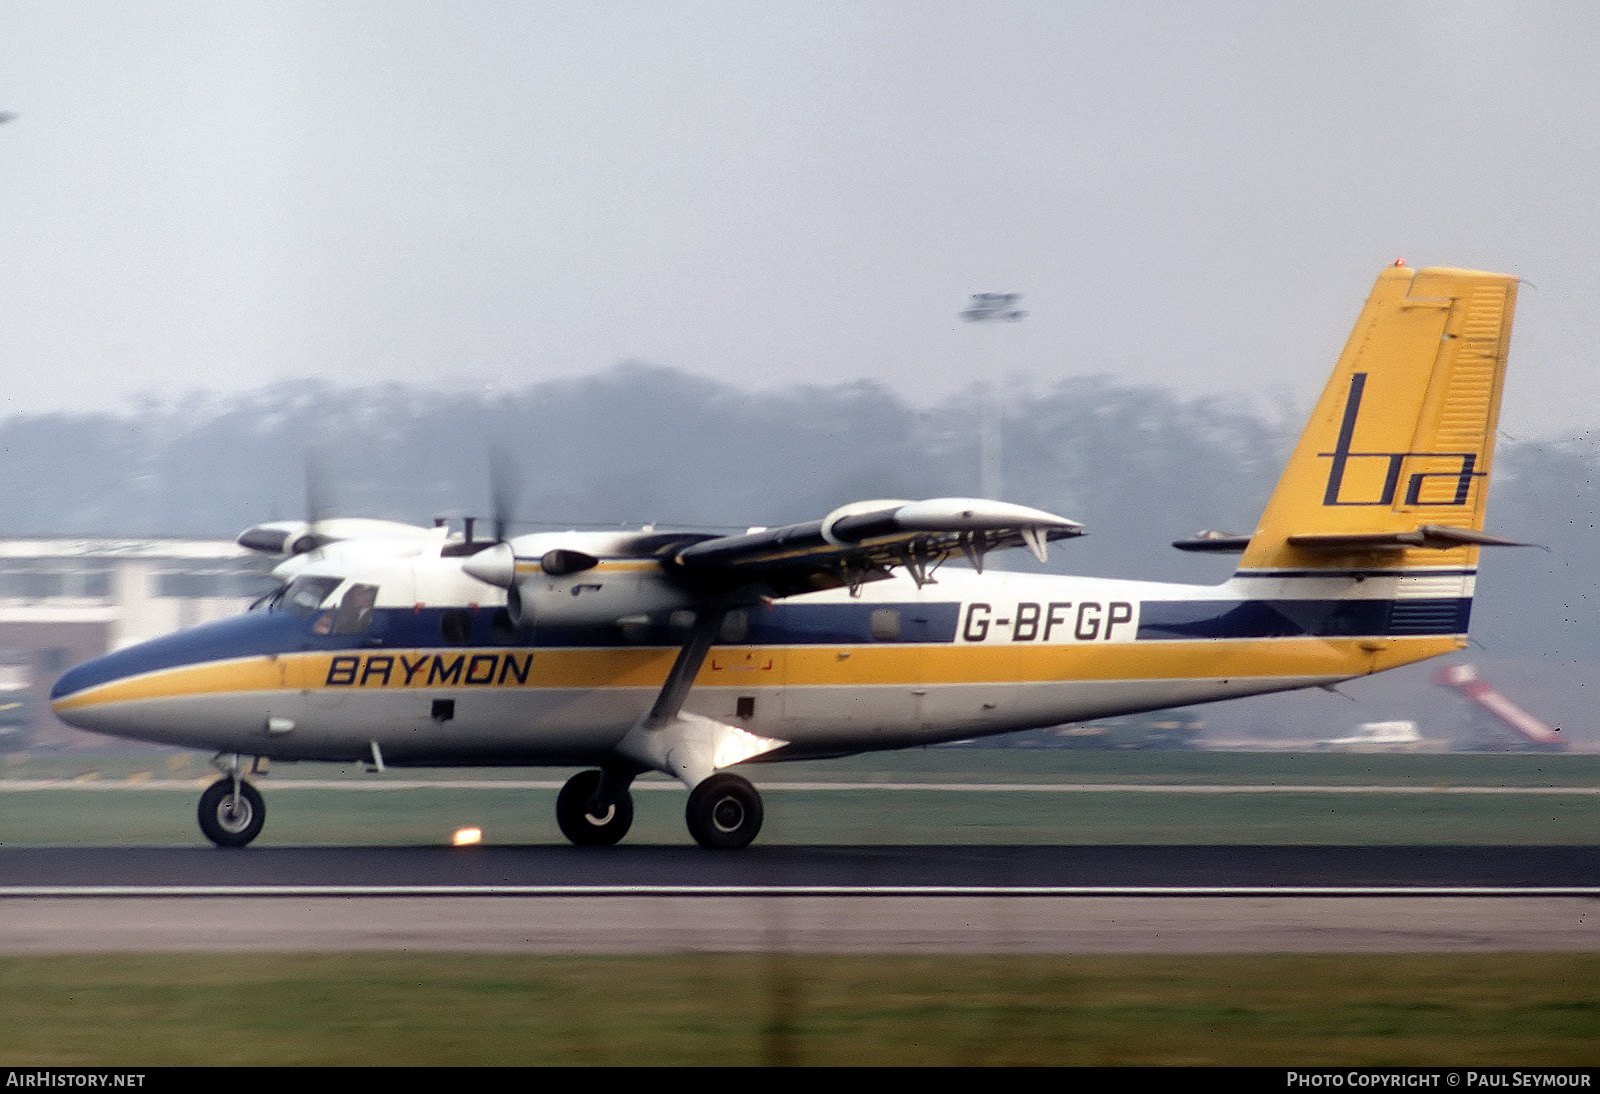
(227, 823)
(724, 812)
(579, 825)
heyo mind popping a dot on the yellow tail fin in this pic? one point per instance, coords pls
(1393, 469)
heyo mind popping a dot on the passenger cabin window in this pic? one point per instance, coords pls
(355, 610)
(735, 626)
(886, 624)
(455, 626)
(304, 595)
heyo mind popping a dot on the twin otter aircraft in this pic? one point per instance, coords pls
(687, 653)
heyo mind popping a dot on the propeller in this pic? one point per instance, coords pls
(316, 504)
(505, 489)
(495, 554)
(288, 538)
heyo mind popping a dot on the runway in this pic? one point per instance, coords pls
(846, 870)
(1131, 899)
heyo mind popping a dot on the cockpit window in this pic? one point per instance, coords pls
(268, 601)
(355, 610)
(305, 595)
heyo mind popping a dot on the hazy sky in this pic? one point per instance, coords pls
(222, 195)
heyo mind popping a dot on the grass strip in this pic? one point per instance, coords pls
(409, 1009)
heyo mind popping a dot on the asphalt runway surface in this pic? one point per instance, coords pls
(947, 868)
(922, 899)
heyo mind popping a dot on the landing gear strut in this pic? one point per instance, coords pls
(724, 812)
(232, 812)
(589, 819)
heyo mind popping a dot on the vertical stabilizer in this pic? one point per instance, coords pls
(1393, 469)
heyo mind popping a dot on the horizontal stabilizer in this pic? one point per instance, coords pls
(1225, 543)
(1436, 537)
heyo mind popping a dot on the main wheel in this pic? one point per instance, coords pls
(588, 829)
(230, 821)
(724, 812)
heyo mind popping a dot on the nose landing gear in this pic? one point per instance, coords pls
(231, 812)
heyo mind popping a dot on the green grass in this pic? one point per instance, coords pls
(302, 815)
(132, 1011)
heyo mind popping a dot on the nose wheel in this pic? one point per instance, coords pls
(232, 812)
(724, 812)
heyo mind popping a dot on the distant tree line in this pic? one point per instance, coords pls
(1140, 466)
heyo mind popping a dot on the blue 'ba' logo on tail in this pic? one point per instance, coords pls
(1341, 457)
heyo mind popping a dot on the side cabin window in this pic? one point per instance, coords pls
(886, 624)
(355, 610)
(735, 626)
(304, 595)
(455, 626)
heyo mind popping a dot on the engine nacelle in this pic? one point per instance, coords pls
(594, 596)
(557, 583)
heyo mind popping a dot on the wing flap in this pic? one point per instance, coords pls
(866, 541)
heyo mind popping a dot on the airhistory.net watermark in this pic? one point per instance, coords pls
(44, 1077)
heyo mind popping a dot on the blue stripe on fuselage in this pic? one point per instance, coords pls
(253, 634)
(1168, 619)
(264, 633)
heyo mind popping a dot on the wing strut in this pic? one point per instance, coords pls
(690, 747)
(707, 622)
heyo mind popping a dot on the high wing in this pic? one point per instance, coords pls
(866, 541)
(585, 578)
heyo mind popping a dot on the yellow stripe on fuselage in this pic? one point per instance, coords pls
(791, 666)
(206, 678)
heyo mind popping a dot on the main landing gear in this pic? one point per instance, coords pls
(232, 812)
(724, 811)
(592, 814)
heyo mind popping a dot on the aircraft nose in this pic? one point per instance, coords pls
(73, 682)
(99, 694)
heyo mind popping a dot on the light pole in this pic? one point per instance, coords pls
(990, 308)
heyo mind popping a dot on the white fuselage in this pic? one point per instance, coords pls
(438, 675)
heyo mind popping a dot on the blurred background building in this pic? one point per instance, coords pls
(63, 601)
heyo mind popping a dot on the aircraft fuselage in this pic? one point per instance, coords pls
(828, 672)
